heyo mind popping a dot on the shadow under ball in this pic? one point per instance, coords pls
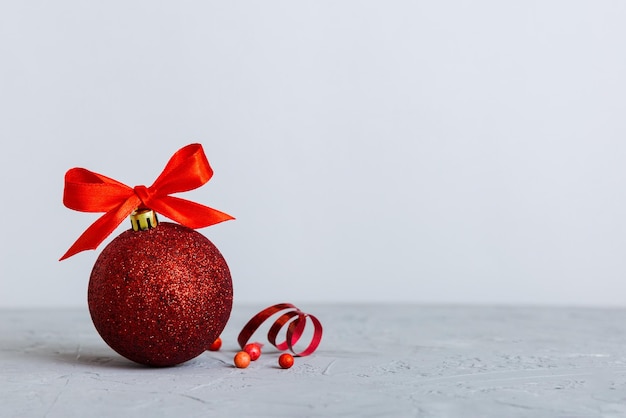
(160, 297)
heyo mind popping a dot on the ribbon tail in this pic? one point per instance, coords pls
(191, 214)
(102, 228)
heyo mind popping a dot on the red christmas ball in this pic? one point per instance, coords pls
(285, 360)
(242, 360)
(217, 344)
(161, 296)
(253, 350)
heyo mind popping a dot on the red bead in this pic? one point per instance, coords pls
(285, 360)
(242, 360)
(217, 344)
(253, 350)
(160, 297)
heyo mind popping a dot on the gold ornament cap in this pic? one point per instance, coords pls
(143, 219)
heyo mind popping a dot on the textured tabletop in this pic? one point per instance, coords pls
(374, 360)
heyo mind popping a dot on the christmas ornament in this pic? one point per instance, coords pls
(242, 360)
(161, 293)
(217, 344)
(253, 350)
(285, 360)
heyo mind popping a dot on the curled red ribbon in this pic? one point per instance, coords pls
(295, 320)
(86, 191)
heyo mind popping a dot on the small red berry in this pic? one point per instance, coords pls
(217, 344)
(242, 360)
(253, 350)
(285, 360)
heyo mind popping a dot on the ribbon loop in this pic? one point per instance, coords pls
(295, 320)
(187, 169)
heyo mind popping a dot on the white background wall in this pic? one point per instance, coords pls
(429, 151)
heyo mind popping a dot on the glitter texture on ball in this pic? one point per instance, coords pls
(160, 297)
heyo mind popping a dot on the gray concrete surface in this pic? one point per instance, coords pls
(374, 361)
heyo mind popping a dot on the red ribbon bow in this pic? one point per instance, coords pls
(86, 191)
